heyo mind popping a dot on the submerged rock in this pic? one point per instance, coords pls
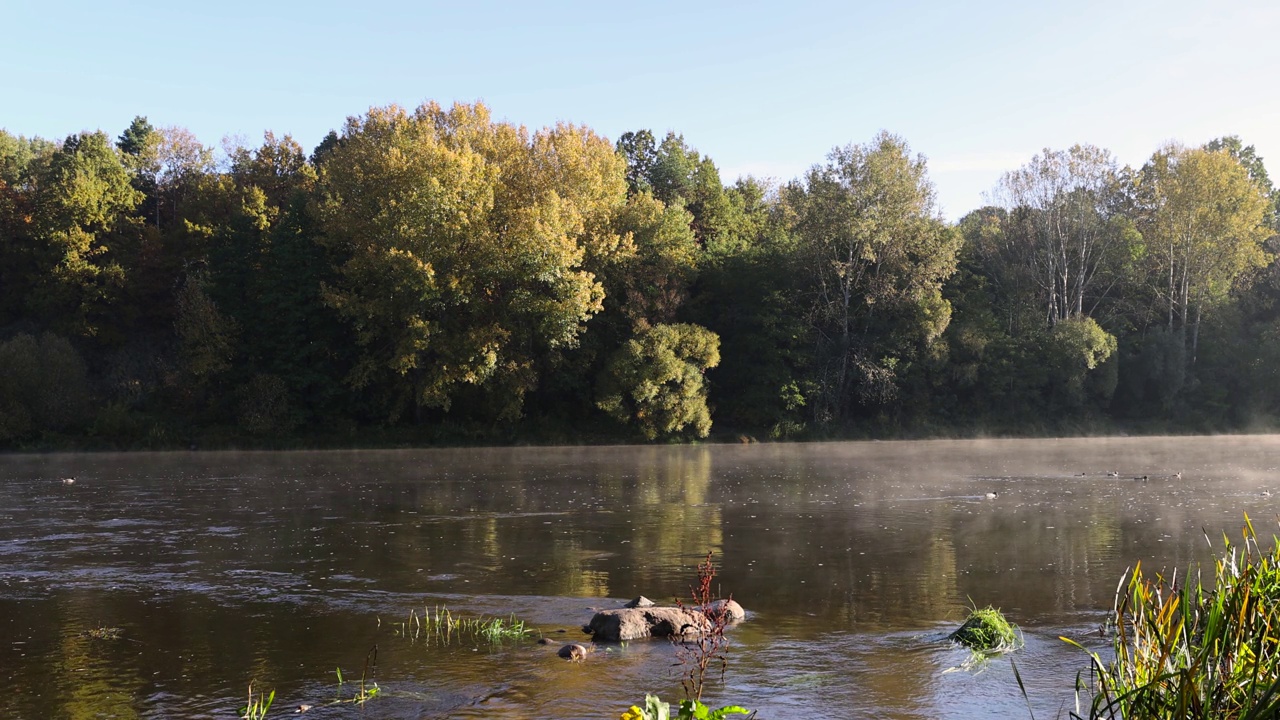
(574, 651)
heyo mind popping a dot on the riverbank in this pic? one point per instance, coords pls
(351, 437)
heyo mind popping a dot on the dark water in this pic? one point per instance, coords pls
(854, 560)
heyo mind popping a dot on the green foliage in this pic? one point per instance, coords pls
(44, 386)
(656, 380)
(17, 156)
(440, 626)
(264, 407)
(1184, 649)
(749, 292)
(81, 198)
(649, 281)
(206, 337)
(137, 137)
(1079, 345)
(655, 709)
(679, 176)
(987, 631)
(876, 256)
(362, 694)
(438, 274)
(465, 242)
(640, 152)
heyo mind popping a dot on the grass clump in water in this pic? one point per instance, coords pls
(987, 631)
(440, 625)
(1187, 650)
(104, 633)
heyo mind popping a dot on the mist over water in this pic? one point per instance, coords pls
(854, 561)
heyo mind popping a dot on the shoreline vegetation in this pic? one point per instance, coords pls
(435, 276)
(406, 439)
(1187, 646)
(1184, 645)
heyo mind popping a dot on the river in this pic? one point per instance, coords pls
(158, 585)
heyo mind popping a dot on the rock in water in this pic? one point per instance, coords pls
(732, 611)
(640, 602)
(636, 623)
(573, 651)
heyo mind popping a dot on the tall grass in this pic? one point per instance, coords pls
(1184, 649)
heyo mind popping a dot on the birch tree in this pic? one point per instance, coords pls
(1205, 224)
(1064, 226)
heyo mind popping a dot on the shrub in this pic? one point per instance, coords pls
(44, 386)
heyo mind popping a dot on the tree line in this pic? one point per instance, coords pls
(435, 275)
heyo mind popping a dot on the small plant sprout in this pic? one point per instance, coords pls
(655, 709)
(258, 706)
(367, 690)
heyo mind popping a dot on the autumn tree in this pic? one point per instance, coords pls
(465, 244)
(677, 175)
(21, 159)
(1249, 159)
(168, 164)
(1204, 227)
(81, 198)
(650, 279)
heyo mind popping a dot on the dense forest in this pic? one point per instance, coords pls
(436, 276)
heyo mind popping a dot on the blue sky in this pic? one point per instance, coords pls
(766, 88)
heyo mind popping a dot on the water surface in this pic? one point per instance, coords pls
(853, 559)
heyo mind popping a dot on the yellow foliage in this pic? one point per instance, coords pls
(468, 243)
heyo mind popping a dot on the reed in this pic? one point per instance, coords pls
(1190, 649)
